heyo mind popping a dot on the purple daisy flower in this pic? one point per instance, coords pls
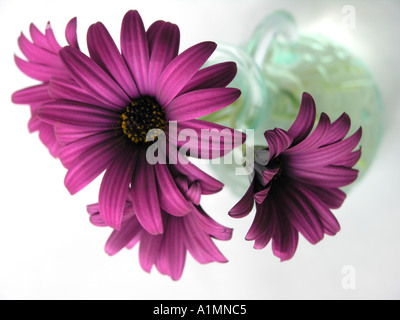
(297, 179)
(43, 63)
(167, 251)
(103, 116)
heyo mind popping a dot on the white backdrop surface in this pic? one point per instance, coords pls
(48, 248)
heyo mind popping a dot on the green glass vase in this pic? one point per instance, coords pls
(280, 63)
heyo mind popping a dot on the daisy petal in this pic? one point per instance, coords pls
(37, 54)
(77, 114)
(178, 73)
(35, 94)
(171, 198)
(164, 47)
(209, 225)
(264, 223)
(215, 76)
(93, 79)
(105, 53)
(194, 193)
(338, 129)
(38, 71)
(70, 152)
(145, 199)
(330, 176)
(71, 34)
(51, 39)
(316, 138)
(208, 184)
(68, 90)
(278, 141)
(350, 160)
(200, 103)
(135, 49)
(300, 212)
(172, 254)
(149, 249)
(328, 221)
(39, 38)
(328, 155)
(48, 138)
(69, 134)
(115, 187)
(89, 165)
(285, 239)
(305, 120)
(120, 238)
(199, 244)
(215, 140)
(245, 205)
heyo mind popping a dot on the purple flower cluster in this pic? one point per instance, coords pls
(102, 113)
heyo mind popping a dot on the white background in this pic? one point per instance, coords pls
(49, 250)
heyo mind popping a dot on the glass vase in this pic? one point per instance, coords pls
(280, 63)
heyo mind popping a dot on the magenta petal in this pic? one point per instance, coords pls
(330, 176)
(66, 134)
(68, 90)
(120, 238)
(171, 198)
(331, 197)
(305, 120)
(245, 205)
(135, 49)
(208, 184)
(269, 174)
(328, 155)
(105, 53)
(48, 138)
(164, 47)
(278, 141)
(300, 212)
(93, 79)
(70, 152)
(209, 225)
(51, 39)
(215, 76)
(338, 130)
(200, 103)
(77, 114)
(97, 220)
(285, 239)
(93, 209)
(145, 200)
(39, 38)
(264, 224)
(194, 193)
(149, 250)
(199, 243)
(89, 165)
(115, 187)
(316, 138)
(178, 73)
(38, 71)
(349, 160)
(35, 94)
(71, 34)
(260, 196)
(37, 54)
(172, 254)
(208, 140)
(35, 124)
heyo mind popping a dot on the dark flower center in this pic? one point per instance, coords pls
(277, 163)
(143, 115)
